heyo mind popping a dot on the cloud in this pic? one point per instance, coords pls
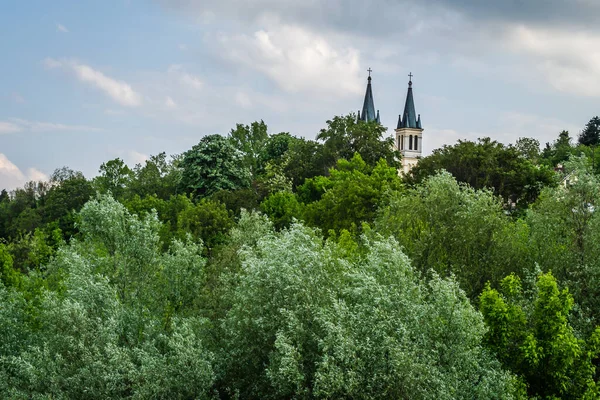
(136, 157)
(185, 78)
(15, 125)
(17, 98)
(61, 28)
(569, 61)
(170, 103)
(298, 60)
(12, 177)
(9, 127)
(120, 91)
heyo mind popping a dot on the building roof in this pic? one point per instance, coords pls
(368, 110)
(409, 118)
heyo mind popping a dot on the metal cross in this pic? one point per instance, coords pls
(410, 75)
(370, 70)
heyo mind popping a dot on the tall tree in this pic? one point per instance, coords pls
(590, 136)
(250, 140)
(487, 164)
(345, 136)
(213, 164)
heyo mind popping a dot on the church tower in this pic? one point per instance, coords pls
(409, 132)
(368, 110)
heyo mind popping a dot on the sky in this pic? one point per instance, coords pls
(84, 82)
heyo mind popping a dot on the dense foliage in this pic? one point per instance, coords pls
(260, 265)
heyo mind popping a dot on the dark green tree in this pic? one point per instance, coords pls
(487, 164)
(344, 136)
(350, 194)
(213, 164)
(534, 339)
(251, 140)
(590, 136)
(115, 176)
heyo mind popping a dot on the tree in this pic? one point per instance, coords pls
(114, 177)
(529, 148)
(534, 339)
(251, 141)
(487, 164)
(158, 176)
(590, 136)
(307, 323)
(213, 164)
(349, 196)
(207, 220)
(345, 136)
(282, 207)
(67, 195)
(304, 159)
(559, 151)
(565, 237)
(453, 229)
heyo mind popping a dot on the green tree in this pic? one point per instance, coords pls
(207, 220)
(213, 164)
(115, 176)
(68, 193)
(456, 230)
(251, 141)
(158, 176)
(559, 151)
(345, 136)
(349, 196)
(306, 323)
(529, 148)
(590, 136)
(304, 159)
(282, 207)
(565, 237)
(534, 339)
(487, 164)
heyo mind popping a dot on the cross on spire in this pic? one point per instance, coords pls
(410, 75)
(370, 70)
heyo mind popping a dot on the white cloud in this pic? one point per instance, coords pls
(61, 28)
(34, 174)
(298, 60)
(21, 125)
(9, 127)
(135, 157)
(17, 98)
(185, 78)
(182, 47)
(12, 177)
(569, 61)
(52, 63)
(243, 100)
(170, 103)
(119, 91)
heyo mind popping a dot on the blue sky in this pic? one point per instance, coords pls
(83, 82)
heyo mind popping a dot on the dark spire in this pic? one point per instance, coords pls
(368, 110)
(409, 118)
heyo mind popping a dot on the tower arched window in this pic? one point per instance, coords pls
(416, 142)
(401, 142)
(410, 142)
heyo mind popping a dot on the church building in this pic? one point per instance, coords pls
(409, 131)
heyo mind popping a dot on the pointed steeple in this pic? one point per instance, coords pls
(409, 117)
(368, 110)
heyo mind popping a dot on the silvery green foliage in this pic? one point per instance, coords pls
(116, 323)
(565, 237)
(307, 324)
(452, 228)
